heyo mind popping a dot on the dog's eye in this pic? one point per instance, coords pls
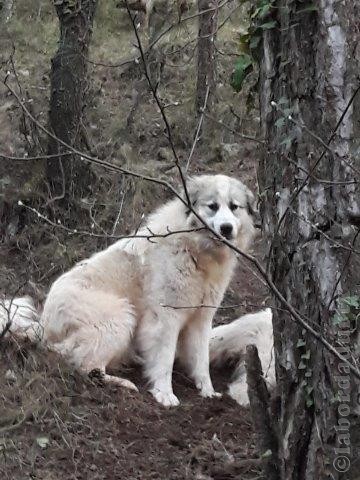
(233, 207)
(213, 206)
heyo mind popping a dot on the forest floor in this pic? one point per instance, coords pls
(53, 422)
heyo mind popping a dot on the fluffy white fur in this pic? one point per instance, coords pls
(129, 297)
(228, 342)
(22, 316)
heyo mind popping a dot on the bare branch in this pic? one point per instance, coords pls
(241, 135)
(105, 235)
(159, 104)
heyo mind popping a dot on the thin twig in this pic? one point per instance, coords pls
(159, 104)
(101, 235)
(238, 134)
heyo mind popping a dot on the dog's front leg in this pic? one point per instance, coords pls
(157, 338)
(193, 352)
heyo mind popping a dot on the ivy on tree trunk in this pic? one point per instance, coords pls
(309, 80)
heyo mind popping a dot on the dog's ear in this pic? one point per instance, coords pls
(251, 205)
(193, 189)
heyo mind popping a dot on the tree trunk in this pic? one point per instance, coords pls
(68, 88)
(206, 66)
(310, 64)
(6, 10)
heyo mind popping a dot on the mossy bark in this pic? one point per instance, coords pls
(68, 89)
(309, 68)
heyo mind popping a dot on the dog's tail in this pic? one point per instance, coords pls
(228, 343)
(20, 317)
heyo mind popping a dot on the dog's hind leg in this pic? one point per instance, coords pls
(93, 333)
(193, 352)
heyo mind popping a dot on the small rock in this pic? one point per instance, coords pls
(10, 376)
(24, 73)
(231, 152)
(165, 154)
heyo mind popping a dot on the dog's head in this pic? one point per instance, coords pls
(226, 205)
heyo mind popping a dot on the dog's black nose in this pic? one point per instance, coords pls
(226, 230)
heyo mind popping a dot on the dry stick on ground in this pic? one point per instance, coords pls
(294, 315)
(260, 411)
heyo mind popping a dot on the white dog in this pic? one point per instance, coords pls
(228, 342)
(146, 296)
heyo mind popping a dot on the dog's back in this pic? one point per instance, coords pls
(21, 317)
(228, 342)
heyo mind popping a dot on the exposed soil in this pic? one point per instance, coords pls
(57, 424)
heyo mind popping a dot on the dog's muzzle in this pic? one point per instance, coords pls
(227, 230)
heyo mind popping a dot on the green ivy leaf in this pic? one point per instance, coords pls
(287, 142)
(300, 343)
(352, 301)
(306, 356)
(264, 10)
(268, 25)
(337, 319)
(266, 454)
(254, 41)
(280, 122)
(302, 365)
(243, 67)
(309, 8)
(282, 101)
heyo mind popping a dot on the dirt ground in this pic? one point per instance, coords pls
(57, 424)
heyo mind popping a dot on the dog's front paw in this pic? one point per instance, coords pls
(168, 399)
(209, 392)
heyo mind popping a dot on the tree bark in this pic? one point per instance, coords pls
(309, 67)
(206, 65)
(6, 10)
(261, 413)
(68, 89)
